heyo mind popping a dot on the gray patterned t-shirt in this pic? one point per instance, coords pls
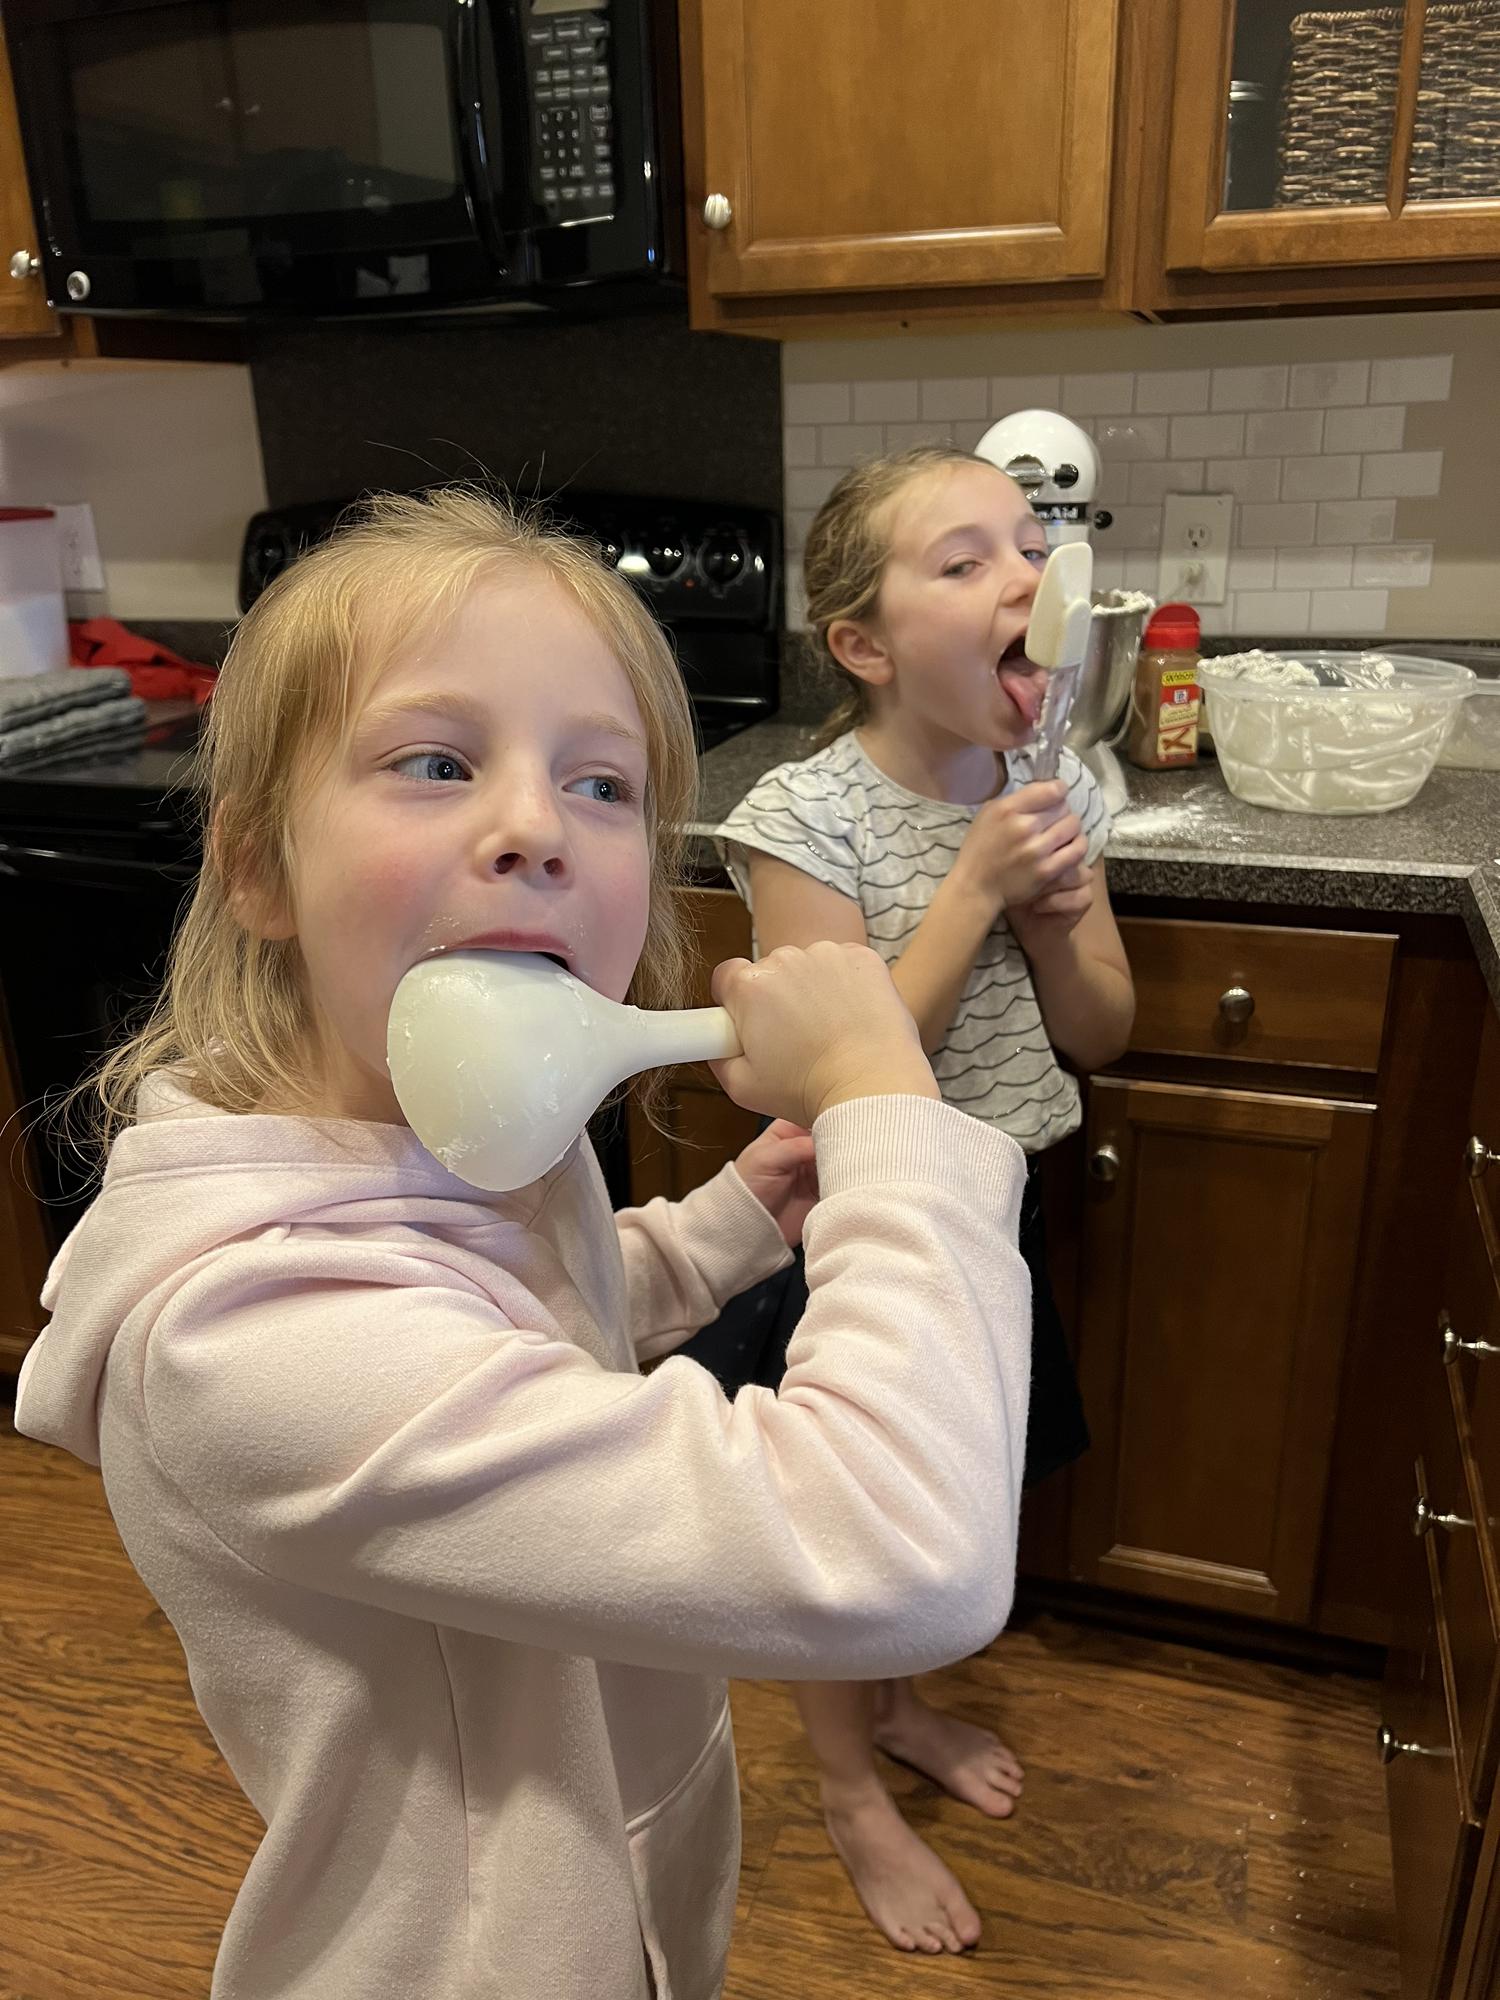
(840, 819)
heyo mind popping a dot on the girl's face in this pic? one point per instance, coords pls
(491, 792)
(949, 631)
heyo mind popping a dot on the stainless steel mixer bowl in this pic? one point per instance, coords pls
(1109, 665)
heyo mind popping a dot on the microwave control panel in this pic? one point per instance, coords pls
(572, 136)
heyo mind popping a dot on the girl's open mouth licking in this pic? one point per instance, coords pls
(1024, 684)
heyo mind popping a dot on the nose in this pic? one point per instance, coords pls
(1022, 580)
(524, 833)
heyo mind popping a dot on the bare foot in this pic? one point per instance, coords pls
(906, 1890)
(971, 1763)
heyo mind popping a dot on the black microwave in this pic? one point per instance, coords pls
(242, 157)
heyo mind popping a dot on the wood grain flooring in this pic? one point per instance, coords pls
(1192, 1825)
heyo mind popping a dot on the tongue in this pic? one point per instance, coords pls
(1025, 690)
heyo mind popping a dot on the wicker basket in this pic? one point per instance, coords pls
(1339, 106)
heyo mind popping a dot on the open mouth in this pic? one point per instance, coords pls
(1015, 653)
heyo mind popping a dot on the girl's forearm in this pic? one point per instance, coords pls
(932, 972)
(1087, 1003)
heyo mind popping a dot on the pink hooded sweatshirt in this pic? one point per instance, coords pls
(457, 1584)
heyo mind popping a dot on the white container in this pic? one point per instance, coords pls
(1330, 749)
(33, 618)
(1474, 742)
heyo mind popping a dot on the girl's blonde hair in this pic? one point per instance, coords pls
(232, 1015)
(844, 561)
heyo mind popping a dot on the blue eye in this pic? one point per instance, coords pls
(432, 767)
(1037, 555)
(961, 567)
(608, 791)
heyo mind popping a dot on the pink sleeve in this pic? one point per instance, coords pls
(349, 1419)
(685, 1259)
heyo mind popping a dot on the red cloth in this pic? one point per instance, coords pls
(156, 672)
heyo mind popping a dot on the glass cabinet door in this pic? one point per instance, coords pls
(1337, 133)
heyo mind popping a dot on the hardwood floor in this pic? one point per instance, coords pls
(1192, 1825)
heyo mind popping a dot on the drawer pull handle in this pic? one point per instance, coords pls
(1391, 1746)
(1236, 1005)
(1424, 1519)
(1104, 1165)
(1453, 1347)
(1478, 1156)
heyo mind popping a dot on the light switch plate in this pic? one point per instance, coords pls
(81, 567)
(1195, 547)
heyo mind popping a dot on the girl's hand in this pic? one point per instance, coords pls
(1021, 846)
(818, 1028)
(780, 1169)
(1055, 915)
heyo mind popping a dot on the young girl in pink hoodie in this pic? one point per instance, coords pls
(457, 1584)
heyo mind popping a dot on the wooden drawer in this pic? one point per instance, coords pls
(1469, 1562)
(1259, 993)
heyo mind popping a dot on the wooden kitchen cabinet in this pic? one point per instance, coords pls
(24, 312)
(1220, 1240)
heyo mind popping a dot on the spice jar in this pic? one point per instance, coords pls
(1164, 700)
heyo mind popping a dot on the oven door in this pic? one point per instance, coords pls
(234, 156)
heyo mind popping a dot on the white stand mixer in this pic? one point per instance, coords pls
(1056, 465)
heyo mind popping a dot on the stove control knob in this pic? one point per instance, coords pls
(664, 556)
(723, 556)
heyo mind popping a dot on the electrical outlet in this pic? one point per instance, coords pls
(1195, 547)
(81, 567)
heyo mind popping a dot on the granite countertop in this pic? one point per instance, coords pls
(1183, 835)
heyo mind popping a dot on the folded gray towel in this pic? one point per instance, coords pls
(26, 698)
(93, 730)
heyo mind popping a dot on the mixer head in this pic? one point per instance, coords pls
(1053, 462)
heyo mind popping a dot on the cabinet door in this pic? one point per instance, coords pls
(704, 1128)
(1345, 134)
(1220, 1239)
(23, 304)
(860, 144)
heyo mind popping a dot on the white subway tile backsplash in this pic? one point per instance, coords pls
(1314, 569)
(900, 437)
(1252, 570)
(810, 487)
(1376, 428)
(799, 444)
(1424, 378)
(1323, 478)
(1141, 570)
(1249, 388)
(1279, 433)
(847, 444)
(1208, 437)
(796, 598)
(1282, 525)
(1356, 520)
(966, 435)
(1121, 438)
(1173, 391)
(956, 396)
(815, 403)
(1137, 527)
(1340, 611)
(1402, 475)
(1109, 569)
(1217, 620)
(1245, 478)
(1320, 385)
(1096, 395)
(1023, 392)
(1401, 566)
(887, 402)
(1273, 612)
(1153, 479)
(796, 522)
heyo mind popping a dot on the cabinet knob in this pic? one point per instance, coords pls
(1424, 1519)
(1390, 1746)
(25, 264)
(1453, 1347)
(79, 286)
(717, 212)
(1104, 1165)
(1477, 1155)
(1236, 1005)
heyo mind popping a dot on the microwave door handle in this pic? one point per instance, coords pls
(477, 119)
(59, 864)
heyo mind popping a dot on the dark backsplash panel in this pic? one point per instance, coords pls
(627, 405)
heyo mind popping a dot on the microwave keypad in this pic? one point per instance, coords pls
(572, 117)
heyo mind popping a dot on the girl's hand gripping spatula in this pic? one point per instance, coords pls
(1057, 639)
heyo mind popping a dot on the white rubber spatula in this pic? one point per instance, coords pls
(499, 1059)
(1057, 639)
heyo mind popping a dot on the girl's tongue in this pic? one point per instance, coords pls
(1025, 686)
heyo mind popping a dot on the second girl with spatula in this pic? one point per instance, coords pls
(917, 827)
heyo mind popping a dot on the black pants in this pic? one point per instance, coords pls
(748, 1343)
